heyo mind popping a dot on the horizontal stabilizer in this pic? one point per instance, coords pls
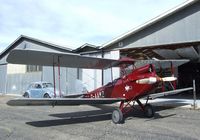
(62, 101)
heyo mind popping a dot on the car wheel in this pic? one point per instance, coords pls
(26, 95)
(46, 95)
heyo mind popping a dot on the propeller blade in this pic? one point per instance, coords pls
(169, 79)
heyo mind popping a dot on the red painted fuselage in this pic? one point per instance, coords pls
(127, 86)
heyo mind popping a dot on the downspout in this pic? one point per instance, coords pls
(102, 71)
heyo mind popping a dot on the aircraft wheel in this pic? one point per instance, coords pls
(148, 111)
(117, 116)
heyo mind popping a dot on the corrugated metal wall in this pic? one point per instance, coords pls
(181, 27)
(90, 77)
(68, 77)
(93, 78)
(3, 78)
(115, 71)
(18, 83)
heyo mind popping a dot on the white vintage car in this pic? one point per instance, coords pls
(41, 90)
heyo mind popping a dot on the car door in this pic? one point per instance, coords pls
(37, 91)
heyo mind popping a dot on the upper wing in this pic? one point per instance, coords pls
(45, 58)
(62, 101)
(162, 63)
(161, 94)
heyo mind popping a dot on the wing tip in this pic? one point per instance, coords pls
(11, 103)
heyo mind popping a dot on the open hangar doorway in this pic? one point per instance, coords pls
(185, 73)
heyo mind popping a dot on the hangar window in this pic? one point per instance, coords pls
(33, 68)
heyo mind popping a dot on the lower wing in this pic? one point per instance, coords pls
(167, 93)
(62, 101)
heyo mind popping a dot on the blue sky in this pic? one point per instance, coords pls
(72, 23)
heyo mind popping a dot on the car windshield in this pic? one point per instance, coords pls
(47, 85)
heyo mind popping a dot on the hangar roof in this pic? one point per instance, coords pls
(86, 48)
(35, 41)
(149, 23)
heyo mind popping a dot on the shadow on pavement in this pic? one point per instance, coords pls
(168, 104)
(73, 118)
(105, 114)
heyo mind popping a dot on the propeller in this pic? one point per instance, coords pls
(169, 79)
(153, 80)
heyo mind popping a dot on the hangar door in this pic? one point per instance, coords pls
(187, 73)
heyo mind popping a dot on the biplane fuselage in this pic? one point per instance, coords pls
(127, 86)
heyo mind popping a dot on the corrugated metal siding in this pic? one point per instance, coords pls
(71, 75)
(3, 76)
(29, 45)
(47, 76)
(115, 71)
(15, 68)
(181, 27)
(93, 78)
(18, 83)
(3, 60)
(90, 77)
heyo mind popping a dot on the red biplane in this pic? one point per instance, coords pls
(133, 84)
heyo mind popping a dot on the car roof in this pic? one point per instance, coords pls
(40, 82)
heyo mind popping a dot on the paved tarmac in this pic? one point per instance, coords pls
(94, 123)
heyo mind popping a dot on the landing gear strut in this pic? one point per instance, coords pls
(125, 108)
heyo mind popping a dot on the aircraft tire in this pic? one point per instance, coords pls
(148, 111)
(117, 116)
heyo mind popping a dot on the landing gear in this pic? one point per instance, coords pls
(117, 116)
(127, 107)
(147, 108)
(148, 111)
